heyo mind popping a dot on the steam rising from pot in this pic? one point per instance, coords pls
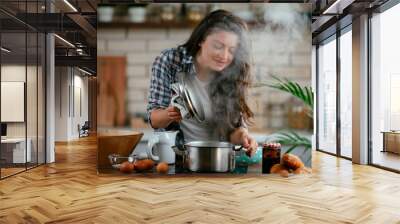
(287, 31)
(287, 27)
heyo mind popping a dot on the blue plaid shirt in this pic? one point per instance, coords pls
(165, 67)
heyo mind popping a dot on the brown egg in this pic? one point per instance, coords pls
(284, 173)
(144, 164)
(140, 165)
(126, 167)
(162, 168)
(148, 163)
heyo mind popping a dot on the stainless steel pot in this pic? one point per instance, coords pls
(208, 156)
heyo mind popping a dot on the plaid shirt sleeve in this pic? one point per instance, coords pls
(162, 73)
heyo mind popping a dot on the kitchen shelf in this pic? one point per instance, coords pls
(161, 25)
(147, 25)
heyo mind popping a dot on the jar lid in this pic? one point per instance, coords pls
(272, 145)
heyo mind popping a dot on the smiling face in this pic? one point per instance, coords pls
(217, 50)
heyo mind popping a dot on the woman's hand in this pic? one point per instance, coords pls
(241, 137)
(161, 118)
(174, 114)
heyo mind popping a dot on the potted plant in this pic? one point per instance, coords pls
(289, 139)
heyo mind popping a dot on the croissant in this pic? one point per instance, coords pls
(292, 162)
(277, 168)
(300, 170)
(284, 173)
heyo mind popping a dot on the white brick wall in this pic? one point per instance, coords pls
(138, 82)
(136, 94)
(181, 35)
(273, 53)
(136, 70)
(127, 45)
(301, 59)
(158, 46)
(147, 34)
(111, 34)
(141, 58)
(135, 107)
(101, 45)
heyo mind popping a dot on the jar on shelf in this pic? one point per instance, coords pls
(167, 13)
(105, 13)
(137, 13)
(195, 13)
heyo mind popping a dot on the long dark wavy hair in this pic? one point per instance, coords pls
(228, 90)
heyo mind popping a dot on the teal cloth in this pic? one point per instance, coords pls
(242, 161)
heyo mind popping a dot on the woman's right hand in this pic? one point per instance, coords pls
(174, 114)
(161, 118)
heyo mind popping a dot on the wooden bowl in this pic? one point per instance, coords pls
(121, 143)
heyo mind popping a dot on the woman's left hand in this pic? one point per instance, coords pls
(241, 137)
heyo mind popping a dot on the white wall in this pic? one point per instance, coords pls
(16, 73)
(79, 117)
(70, 83)
(61, 103)
(50, 95)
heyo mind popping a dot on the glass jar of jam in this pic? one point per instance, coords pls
(271, 155)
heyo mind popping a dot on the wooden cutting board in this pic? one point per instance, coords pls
(112, 91)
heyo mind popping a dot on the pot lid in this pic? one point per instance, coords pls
(190, 97)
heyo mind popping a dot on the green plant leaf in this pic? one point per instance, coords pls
(305, 94)
(293, 140)
(291, 149)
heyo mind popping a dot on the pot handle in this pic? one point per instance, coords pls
(150, 147)
(180, 140)
(178, 151)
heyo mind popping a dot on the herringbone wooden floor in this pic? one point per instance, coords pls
(70, 191)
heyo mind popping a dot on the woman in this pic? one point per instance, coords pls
(216, 60)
